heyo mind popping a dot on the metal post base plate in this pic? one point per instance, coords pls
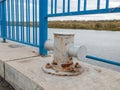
(62, 73)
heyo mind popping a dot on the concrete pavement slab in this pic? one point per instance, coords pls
(12, 51)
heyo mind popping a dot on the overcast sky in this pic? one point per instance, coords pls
(92, 4)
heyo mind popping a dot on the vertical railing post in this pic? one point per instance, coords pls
(43, 32)
(0, 19)
(3, 20)
(107, 4)
(98, 4)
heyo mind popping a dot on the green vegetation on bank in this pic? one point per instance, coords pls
(113, 25)
(96, 25)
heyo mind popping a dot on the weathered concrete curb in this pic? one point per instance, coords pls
(28, 75)
(18, 80)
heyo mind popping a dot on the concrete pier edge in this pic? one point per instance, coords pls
(21, 67)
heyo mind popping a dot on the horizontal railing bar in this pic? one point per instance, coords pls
(100, 11)
(23, 42)
(103, 60)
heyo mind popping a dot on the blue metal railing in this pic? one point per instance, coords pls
(80, 10)
(18, 22)
(17, 17)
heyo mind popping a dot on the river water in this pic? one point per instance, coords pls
(103, 44)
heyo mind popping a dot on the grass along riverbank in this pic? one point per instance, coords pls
(94, 25)
(113, 25)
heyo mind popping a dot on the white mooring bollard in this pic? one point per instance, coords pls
(64, 51)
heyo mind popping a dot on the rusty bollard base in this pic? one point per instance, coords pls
(66, 70)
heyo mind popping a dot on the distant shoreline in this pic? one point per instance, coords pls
(110, 25)
(113, 25)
